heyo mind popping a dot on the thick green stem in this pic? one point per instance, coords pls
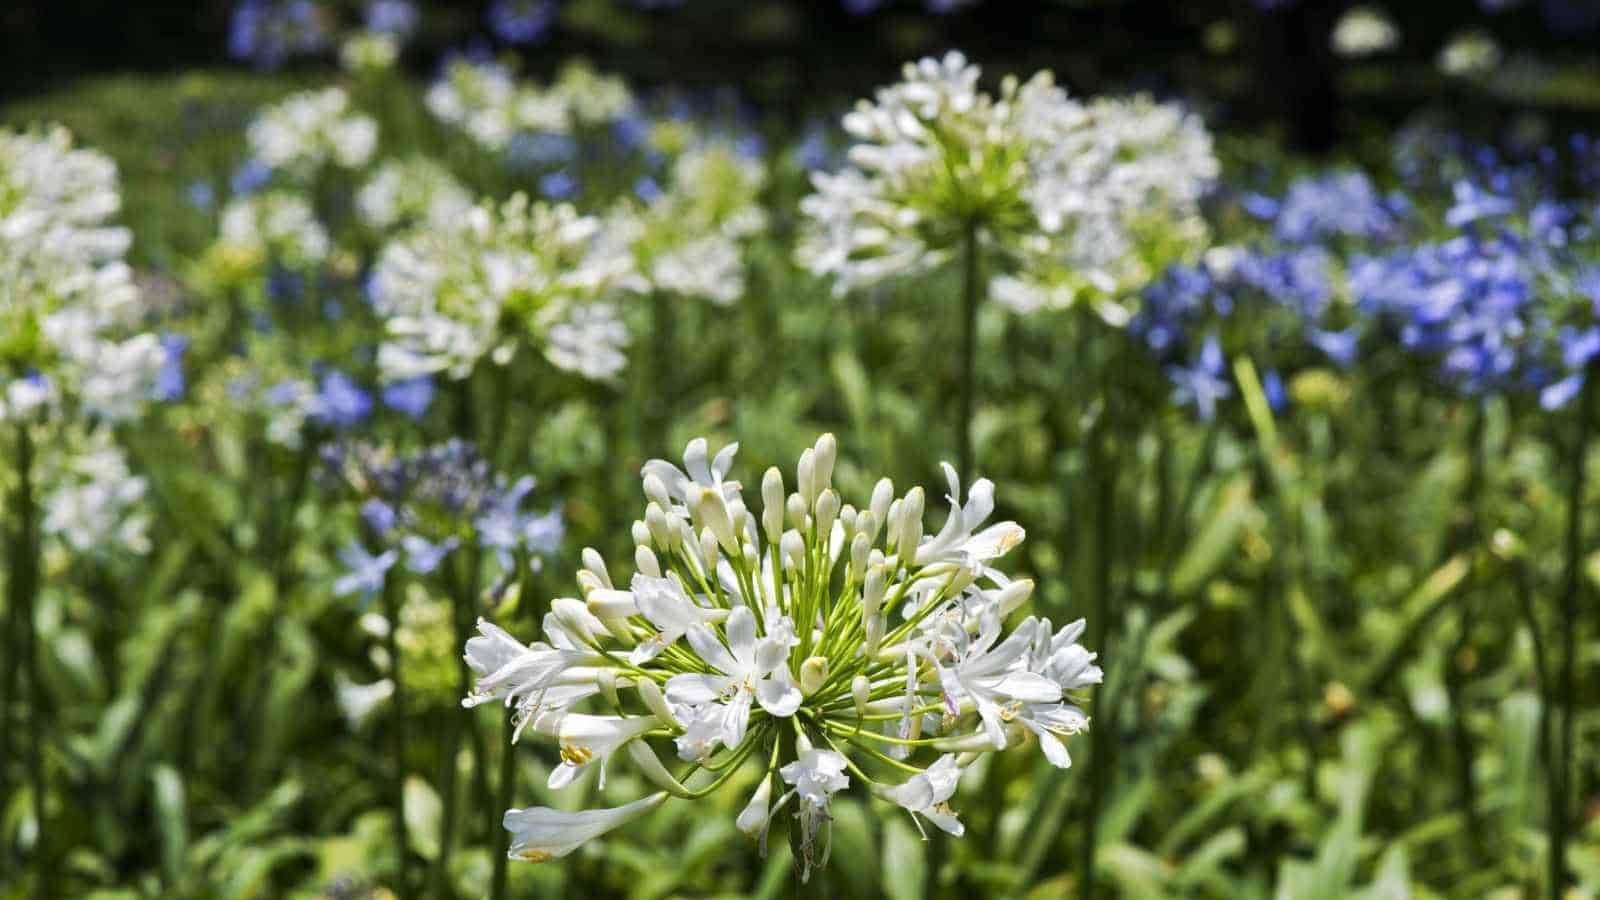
(969, 346)
(397, 730)
(1561, 787)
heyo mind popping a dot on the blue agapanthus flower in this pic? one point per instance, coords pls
(521, 21)
(170, 383)
(1342, 204)
(411, 397)
(1203, 382)
(396, 17)
(251, 176)
(340, 403)
(268, 33)
(365, 571)
(558, 185)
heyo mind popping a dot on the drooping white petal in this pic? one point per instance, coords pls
(540, 834)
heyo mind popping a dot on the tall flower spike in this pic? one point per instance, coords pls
(789, 642)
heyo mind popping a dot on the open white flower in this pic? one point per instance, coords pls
(926, 795)
(749, 668)
(585, 739)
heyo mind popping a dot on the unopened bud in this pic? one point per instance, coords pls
(1011, 597)
(860, 692)
(657, 492)
(859, 549)
(641, 533)
(806, 475)
(713, 510)
(797, 508)
(594, 562)
(655, 519)
(813, 672)
(825, 452)
(772, 503)
(650, 694)
(708, 550)
(882, 496)
(645, 561)
(872, 593)
(793, 549)
(911, 523)
(827, 511)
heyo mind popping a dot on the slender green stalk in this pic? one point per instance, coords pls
(460, 604)
(23, 595)
(529, 598)
(1467, 538)
(1561, 788)
(397, 729)
(1104, 472)
(969, 345)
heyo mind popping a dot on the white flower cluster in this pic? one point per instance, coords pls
(412, 191)
(485, 101)
(310, 130)
(93, 500)
(277, 225)
(453, 294)
(831, 643)
(1030, 171)
(69, 299)
(689, 235)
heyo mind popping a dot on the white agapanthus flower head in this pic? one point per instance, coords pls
(491, 106)
(690, 235)
(69, 308)
(93, 503)
(310, 130)
(414, 191)
(276, 225)
(1031, 173)
(837, 645)
(454, 294)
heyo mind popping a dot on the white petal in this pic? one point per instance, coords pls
(540, 833)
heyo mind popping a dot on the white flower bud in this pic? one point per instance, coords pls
(797, 512)
(655, 518)
(708, 550)
(649, 765)
(596, 564)
(753, 820)
(867, 525)
(813, 672)
(806, 476)
(792, 548)
(847, 518)
(892, 540)
(911, 523)
(772, 504)
(645, 561)
(606, 603)
(860, 692)
(827, 511)
(657, 492)
(872, 593)
(826, 451)
(641, 533)
(713, 511)
(875, 626)
(859, 549)
(650, 695)
(1011, 597)
(882, 496)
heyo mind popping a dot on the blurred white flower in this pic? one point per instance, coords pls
(92, 501)
(485, 101)
(1470, 53)
(1365, 31)
(310, 130)
(412, 191)
(454, 294)
(1073, 195)
(275, 225)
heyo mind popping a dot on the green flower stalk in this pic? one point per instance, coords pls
(829, 643)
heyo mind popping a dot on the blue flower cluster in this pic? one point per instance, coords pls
(268, 33)
(422, 507)
(1479, 270)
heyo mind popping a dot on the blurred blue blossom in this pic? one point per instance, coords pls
(251, 176)
(1202, 383)
(396, 17)
(268, 32)
(340, 403)
(521, 21)
(558, 185)
(170, 382)
(365, 571)
(1342, 204)
(411, 397)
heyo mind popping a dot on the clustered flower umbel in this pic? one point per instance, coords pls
(485, 101)
(824, 642)
(1074, 195)
(69, 309)
(454, 294)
